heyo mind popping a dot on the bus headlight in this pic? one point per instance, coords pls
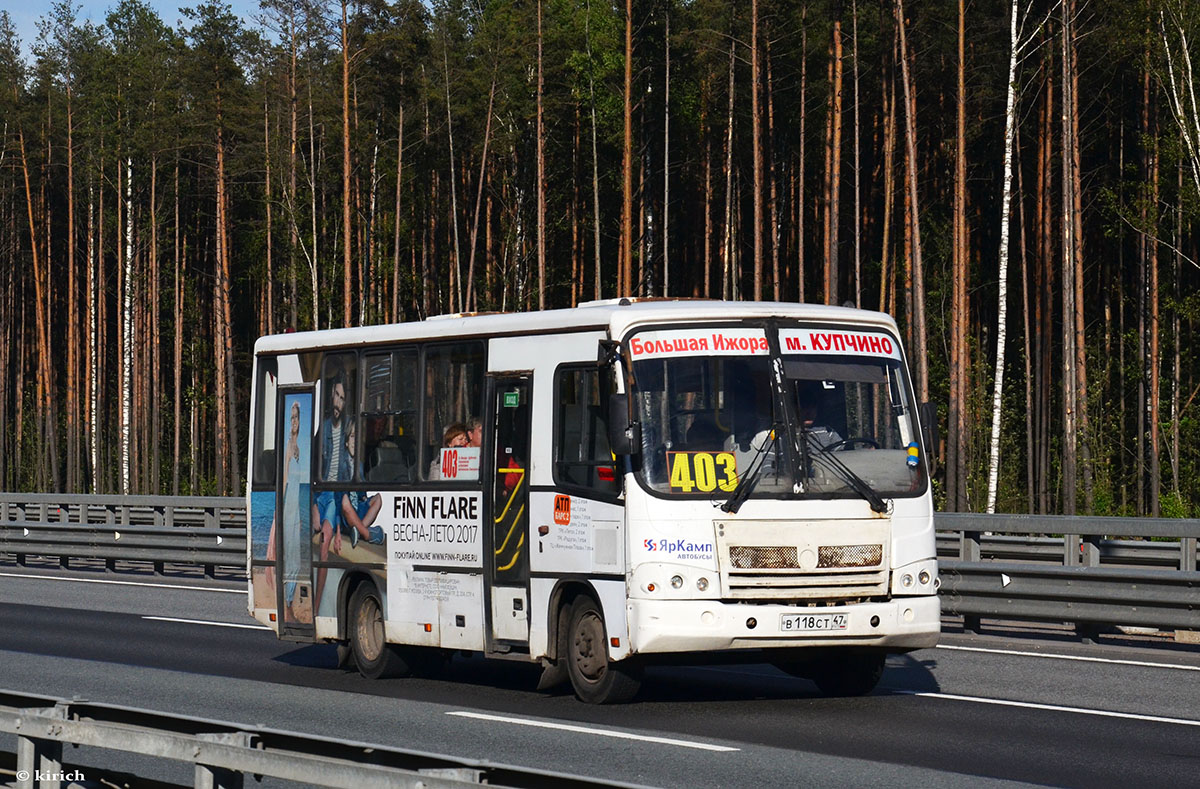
(907, 580)
(702, 584)
(923, 578)
(676, 582)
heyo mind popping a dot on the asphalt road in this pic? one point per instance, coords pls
(977, 710)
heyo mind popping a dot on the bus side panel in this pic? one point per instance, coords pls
(572, 534)
(614, 603)
(612, 598)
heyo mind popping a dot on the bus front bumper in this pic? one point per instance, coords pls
(660, 626)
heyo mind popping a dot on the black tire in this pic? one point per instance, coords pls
(374, 657)
(849, 674)
(596, 679)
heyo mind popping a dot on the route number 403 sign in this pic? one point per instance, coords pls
(702, 472)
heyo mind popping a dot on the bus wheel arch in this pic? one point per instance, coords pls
(366, 632)
(559, 614)
(595, 678)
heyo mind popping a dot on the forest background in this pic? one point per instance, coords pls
(1017, 182)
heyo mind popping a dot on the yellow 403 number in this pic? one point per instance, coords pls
(702, 471)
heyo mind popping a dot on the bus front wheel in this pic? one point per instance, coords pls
(595, 679)
(373, 655)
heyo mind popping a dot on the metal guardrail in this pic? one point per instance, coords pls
(1039, 567)
(1085, 575)
(223, 753)
(209, 531)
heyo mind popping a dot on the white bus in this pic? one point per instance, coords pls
(595, 489)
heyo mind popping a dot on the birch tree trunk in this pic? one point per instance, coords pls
(1010, 122)
(127, 332)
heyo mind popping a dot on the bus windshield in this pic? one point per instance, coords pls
(710, 414)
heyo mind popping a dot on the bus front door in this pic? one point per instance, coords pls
(508, 552)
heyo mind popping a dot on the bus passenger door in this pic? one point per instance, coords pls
(293, 523)
(507, 552)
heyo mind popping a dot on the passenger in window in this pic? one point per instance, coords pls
(455, 435)
(358, 511)
(474, 432)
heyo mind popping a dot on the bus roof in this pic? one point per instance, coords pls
(615, 316)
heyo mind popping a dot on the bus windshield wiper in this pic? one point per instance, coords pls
(833, 463)
(750, 479)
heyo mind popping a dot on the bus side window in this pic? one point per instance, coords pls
(389, 417)
(453, 386)
(581, 452)
(338, 387)
(266, 427)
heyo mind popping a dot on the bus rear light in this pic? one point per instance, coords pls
(606, 474)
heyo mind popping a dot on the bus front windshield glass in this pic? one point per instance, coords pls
(710, 415)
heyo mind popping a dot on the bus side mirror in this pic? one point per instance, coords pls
(929, 432)
(624, 435)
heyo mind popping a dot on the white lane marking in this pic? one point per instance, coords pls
(1080, 658)
(206, 622)
(621, 735)
(1052, 708)
(123, 583)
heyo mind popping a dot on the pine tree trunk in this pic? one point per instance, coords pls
(396, 228)
(627, 161)
(956, 453)
(666, 224)
(347, 282)
(541, 169)
(918, 277)
(487, 136)
(756, 149)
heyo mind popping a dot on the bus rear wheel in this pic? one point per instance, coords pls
(595, 679)
(373, 655)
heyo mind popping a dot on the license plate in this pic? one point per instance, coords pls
(798, 623)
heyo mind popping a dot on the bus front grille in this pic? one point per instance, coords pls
(802, 585)
(811, 561)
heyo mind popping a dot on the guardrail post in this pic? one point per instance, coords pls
(208, 777)
(20, 508)
(1089, 552)
(110, 518)
(969, 551)
(40, 760)
(64, 516)
(1072, 545)
(1187, 553)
